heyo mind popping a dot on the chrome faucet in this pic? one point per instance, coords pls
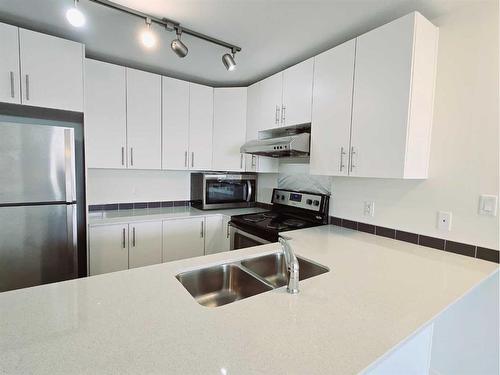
(292, 265)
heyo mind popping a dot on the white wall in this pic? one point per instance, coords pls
(123, 186)
(464, 152)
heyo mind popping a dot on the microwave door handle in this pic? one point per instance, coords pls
(249, 190)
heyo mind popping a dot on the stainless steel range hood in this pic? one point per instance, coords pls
(296, 145)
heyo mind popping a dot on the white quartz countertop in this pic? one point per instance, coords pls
(378, 293)
(145, 214)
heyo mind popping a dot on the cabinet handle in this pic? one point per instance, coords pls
(131, 156)
(353, 152)
(283, 110)
(254, 160)
(202, 228)
(192, 158)
(277, 115)
(342, 153)
(12, 94)
(123, 155)
(27, 87)
(227, 230)
(241, 161)
(133, 237)
(123, 238)
(185, 159)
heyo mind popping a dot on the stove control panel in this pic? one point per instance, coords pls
(300, 200)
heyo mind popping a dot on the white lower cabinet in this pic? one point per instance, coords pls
(183, 238)
(145, 243)
(226, 240)
(216, 235)
(122, 246)
(108, 248)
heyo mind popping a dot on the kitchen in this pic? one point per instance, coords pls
(335, 184)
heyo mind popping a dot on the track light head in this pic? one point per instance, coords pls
(228, 61)
(74, 16)
(148, 38)
(178, 46)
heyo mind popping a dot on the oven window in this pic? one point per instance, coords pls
(227, 191)
(241, 241)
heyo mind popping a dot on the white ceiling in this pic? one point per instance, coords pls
(273, 34)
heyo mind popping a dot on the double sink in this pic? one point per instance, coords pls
(227, 283)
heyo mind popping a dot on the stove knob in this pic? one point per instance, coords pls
(282, 197)
(316, 203)
(309, 201)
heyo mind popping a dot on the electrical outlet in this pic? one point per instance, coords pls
(369, 209)
(444, 221)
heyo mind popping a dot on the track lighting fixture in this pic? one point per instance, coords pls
(228, 61)
(148, 37)
(178, 47)
(74, 16)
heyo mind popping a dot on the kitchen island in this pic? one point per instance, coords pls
(378, 294)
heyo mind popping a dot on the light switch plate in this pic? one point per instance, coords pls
(444, 221)
(369, 209)
(488, 205)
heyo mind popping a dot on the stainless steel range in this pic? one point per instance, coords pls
(291, 210)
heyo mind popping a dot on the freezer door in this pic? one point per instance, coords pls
(36, 164)
(37, 245)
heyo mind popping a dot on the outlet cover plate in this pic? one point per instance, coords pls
(444, 221)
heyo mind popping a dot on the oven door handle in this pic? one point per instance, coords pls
(249, 191)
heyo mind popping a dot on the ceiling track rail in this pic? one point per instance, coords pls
(170, 25)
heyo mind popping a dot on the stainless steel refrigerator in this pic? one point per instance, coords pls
(38, 206)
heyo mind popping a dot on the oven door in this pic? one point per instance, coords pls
(228, 191)
(241, 239)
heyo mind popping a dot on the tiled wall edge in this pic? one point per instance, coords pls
(420, 239)
(137, 205)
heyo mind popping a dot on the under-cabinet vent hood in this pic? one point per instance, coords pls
(296, 145)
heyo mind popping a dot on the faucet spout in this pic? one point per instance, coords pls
(292, 265)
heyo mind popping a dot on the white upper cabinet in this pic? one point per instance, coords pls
(201, 115)
(143, 119)
(331, 115)
(10, 88)
(393, 99)
(271, 91)
(297, 94)
(145, 243)
(105, 115)
(51, 71)
(230, 110)
(183, 238)
(175, 124)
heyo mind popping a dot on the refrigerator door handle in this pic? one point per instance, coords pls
(72, 235)
(69, 152)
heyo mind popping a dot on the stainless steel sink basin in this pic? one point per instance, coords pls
(220, 285)
(272, 268)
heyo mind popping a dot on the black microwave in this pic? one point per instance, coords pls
(223, 190)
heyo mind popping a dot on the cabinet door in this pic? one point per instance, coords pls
(105, 115)
(270, 101)
(145, 245)
(201, 116)
(108, 248)
(226, 236)
(230, 106)
(381, 99)
(183, 238)
(214, 235)
(297, 94)
(331, 117)
(252, 126)
(175, 123)
(10, 88)
(51, 71)
(143, 119)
